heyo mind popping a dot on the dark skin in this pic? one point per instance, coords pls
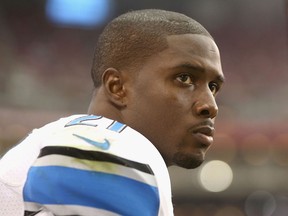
(170, 99)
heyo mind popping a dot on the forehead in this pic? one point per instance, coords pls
(184, 51)
(196, 49)
(194, 43)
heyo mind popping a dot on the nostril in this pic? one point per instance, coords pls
(205, 112)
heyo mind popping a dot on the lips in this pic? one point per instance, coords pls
(204, 134)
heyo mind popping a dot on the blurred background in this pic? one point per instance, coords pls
(46, 49)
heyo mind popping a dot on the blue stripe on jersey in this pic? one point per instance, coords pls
(62, 185)
(117, 126)
(81, 120)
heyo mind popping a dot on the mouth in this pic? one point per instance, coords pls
(204, 134)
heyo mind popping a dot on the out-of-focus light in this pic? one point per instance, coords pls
(260, 203)
(82, 13)
(216, 176)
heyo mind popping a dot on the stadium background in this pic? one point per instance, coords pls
(45, 60)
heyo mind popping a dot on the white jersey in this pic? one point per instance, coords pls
(84, 165)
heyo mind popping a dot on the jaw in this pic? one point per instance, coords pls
(189, 159)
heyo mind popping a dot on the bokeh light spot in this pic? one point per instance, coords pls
(216, 176)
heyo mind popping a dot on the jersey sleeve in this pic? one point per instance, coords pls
(66, 180)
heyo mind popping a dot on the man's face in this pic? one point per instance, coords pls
(172, 99)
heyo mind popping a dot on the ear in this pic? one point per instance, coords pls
(113, 81)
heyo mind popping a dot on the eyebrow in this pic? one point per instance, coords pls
(195, 67)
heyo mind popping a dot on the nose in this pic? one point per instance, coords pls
(206, 106)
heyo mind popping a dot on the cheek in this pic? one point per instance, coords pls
(165, 108)
(172, 107)
(170, 117)
(178, 106)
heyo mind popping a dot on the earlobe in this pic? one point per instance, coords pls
(113, 82)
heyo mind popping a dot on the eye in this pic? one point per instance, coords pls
(214, 87)
(185, 79)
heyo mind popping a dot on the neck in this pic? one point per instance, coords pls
(101, 106)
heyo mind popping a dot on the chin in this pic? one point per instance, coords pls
(188, 161)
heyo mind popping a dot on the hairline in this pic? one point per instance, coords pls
(148, 44)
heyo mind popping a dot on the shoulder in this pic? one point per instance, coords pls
(16, 162)
(92, 151)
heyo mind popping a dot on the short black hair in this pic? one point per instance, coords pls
(132, 37)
